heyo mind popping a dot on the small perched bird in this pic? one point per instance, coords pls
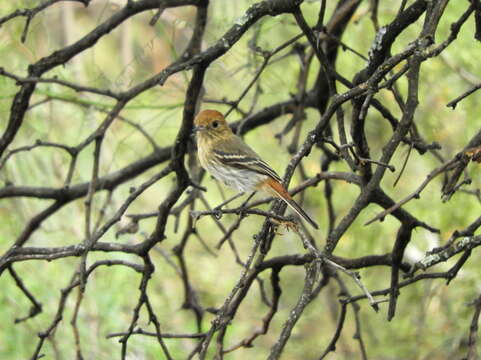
(225, 156)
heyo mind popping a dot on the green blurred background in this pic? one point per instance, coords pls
(432, 320)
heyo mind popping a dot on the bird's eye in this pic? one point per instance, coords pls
(215, 124)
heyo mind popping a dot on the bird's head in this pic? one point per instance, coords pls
(212, 124)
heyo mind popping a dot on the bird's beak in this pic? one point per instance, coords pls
(198, 128)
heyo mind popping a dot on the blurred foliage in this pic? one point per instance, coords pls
(432, 320)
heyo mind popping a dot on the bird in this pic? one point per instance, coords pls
(230, 160)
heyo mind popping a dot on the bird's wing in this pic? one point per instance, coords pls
(239, 155)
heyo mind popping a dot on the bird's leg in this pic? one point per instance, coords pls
(219, 207)
(248, 199)
(242, 208)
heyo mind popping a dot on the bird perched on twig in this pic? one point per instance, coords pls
(229, 159)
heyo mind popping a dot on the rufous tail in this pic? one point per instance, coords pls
(276, 189)
(301, 212)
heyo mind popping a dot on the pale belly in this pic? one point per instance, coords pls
(242, 180)
(239, 179)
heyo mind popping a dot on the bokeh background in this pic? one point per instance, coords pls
(432, 320)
